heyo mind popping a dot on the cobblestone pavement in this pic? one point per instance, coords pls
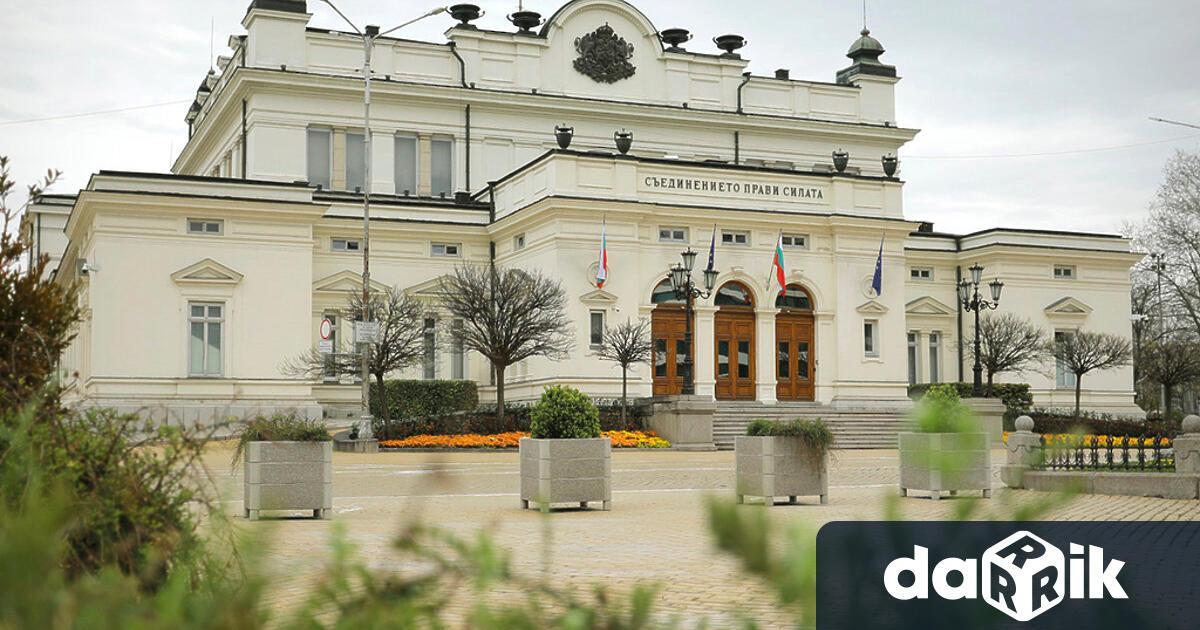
(655, 533)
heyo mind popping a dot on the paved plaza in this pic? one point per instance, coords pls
(655, 533)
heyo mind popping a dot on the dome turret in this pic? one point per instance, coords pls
(865, 52)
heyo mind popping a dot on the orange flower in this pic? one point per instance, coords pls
(620, 439)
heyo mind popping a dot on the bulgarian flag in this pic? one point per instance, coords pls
(777, 266)
(602, 268)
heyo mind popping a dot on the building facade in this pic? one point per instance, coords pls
(200, 284)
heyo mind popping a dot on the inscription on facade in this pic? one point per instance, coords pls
(733, 188)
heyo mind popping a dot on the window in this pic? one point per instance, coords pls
(735, 238)
(442, 162)
(1063, 378)
(1064, 272)
(406, 165)
(345, 245)
(331, 373)
(914, 358)
(596, 328)
(205, 323)
(356, 161)
(871, 337)
(429, 349)
(204, 226)
(320, 157)
(921, 273)
(447, 250)
(935, 357)
(672, 235)
(458, 357)
(519, 242)
(795, 241)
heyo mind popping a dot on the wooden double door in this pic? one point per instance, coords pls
(794, 365)
(735, 369)
(668, 329)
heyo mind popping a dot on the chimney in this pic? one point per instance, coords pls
(783, 74)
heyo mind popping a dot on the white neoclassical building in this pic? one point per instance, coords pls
(198, 284)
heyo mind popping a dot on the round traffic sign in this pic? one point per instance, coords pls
(326, 329)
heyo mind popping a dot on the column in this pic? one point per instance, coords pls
(337, 180)
(383, 163)
(424, 165)
(704, 337)
(764, 352)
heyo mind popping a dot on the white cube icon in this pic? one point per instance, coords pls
(1024, 576)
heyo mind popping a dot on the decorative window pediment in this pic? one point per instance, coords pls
(928, 306)
(599, 297)
(872, 308)
(207, 271)
(344, 282)
(1068, 307)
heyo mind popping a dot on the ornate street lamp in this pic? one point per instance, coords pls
(971, 301)
(686, 290)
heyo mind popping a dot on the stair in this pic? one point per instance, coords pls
(851, 428)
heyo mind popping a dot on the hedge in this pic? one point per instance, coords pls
(1016, 396)
(564, 413)
(482, 420)
(419, 399)
(1052, 421)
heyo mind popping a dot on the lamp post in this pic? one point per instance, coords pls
(686, 290)
(971, 301)
(369, 35)
(1159, 267)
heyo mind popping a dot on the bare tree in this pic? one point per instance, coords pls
(508, 315)
(401, 342)
(1173, 231)
(1083, 352)
(1008, 343)
(626, 344)
(1171, 362)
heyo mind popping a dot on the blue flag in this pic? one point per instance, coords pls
(712, 250)
(877, 282)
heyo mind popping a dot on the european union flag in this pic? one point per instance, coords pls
(877, 282)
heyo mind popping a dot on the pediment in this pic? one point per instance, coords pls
(1068, 307)
(928, 306)
(207, 271)
(345, 282)
(427, 289)
(872, 308)
(598, 297)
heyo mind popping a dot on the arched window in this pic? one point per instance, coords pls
(795, 298)
(733, 294)
(664, 294)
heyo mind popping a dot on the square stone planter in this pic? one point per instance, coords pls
(945, 463)
(770, 467)
(574, 471)
(288, 476)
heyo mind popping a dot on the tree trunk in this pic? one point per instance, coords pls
(383, 408)
(1078, 389)
(988, 392)
(1167, 395)
(624, 395)
(499, 394)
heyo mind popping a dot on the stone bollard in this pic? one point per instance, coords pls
(1187, 447)
(1024, 450)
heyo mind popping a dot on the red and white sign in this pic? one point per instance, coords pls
(326, 329)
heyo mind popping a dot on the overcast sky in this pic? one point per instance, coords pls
(987, 78)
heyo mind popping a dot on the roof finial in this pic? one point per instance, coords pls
(865, 31)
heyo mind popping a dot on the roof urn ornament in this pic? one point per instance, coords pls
(604, 56)
(730, 44)
(624, 140)
(563, 134)
(841, 159)
(526, 21)
(465, 13)
(890, 162)
(674, 38)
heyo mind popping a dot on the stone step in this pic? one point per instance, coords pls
(850, 429)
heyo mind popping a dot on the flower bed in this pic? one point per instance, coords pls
(620, 439)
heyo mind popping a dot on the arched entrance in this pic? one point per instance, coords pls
(794, 345)
(734, 330)
(668, 329)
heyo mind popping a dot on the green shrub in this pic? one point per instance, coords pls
(564, 412)
(1016, 396)
(815, 433)
(941, 411)
(280, 428)
(407, 399)
(483, 420)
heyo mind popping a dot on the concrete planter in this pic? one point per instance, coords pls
(770, 467)
(575, 471)
(288, 476)
(945, 462)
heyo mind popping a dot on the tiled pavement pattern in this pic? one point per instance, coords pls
(655, 533)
